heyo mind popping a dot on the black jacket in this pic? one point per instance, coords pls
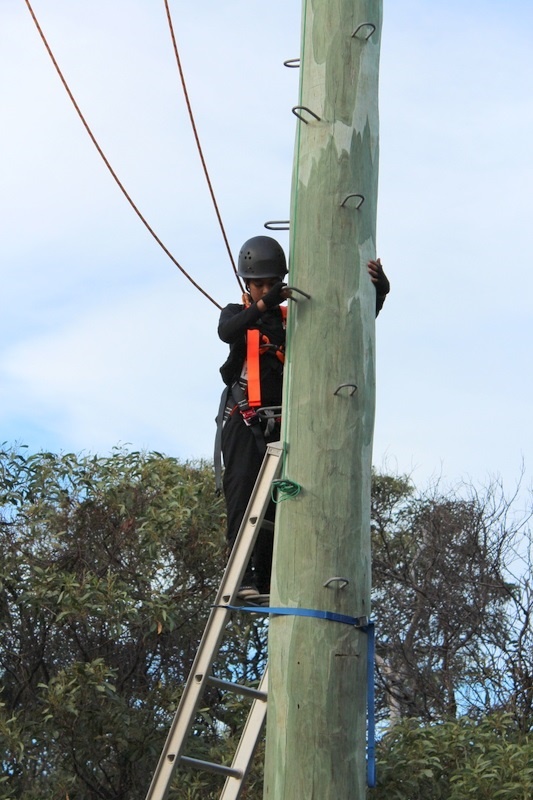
(234, 321)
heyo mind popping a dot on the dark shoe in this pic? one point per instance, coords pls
(248, 592)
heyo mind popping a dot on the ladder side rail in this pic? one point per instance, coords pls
(216, 624)
(251, 523)
(248, 742)
(189, 702)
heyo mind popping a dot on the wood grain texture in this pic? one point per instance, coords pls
(317, 697)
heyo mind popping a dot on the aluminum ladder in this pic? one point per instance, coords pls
(200, 676)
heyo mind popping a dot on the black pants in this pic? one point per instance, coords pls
(242, 462)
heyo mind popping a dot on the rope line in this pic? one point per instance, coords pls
(283, 489)
(198, 145)
(107, 163)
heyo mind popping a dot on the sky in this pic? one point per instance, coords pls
(104, 343)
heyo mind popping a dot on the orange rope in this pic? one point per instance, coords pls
(198, 145)
(108, 165)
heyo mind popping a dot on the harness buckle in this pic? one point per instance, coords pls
(249, 417)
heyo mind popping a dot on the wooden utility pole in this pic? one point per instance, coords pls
(316, 729)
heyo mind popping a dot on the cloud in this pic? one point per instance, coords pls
(140, 369)
(102, 340)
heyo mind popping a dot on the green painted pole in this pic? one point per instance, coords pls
(316, 728)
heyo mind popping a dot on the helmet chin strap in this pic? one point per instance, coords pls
(247, 298)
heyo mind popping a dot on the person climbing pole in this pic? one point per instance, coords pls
(253, 375)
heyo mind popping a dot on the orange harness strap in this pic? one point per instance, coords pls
(252, 365)
(253, 352)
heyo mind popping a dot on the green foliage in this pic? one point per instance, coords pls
(108, 567)
(456, 760)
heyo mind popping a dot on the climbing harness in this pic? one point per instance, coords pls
(257, 344)
(248, 399)
(244, 395)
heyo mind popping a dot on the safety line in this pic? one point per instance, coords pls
(198, 145)
(108, 165)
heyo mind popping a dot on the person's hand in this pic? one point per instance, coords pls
(378, 277)
(276, 295)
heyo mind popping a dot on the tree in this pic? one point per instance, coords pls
(508, 655)
(456, 760)
(449, 614)
(107, 569)
(453, 604)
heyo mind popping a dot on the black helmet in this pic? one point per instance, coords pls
(262, 257)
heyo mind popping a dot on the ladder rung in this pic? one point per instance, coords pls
(238, 688)
(215, 629)
(209, 766)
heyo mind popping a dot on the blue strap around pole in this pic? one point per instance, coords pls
(371, 714)
(364, 625)
(331, 616)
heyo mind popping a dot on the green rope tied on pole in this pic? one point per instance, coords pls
(283, 489)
